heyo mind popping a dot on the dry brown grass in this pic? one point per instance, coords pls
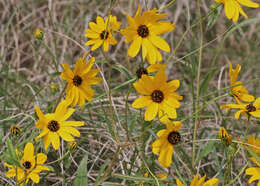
(27, 69)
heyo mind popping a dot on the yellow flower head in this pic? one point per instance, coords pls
(239, 92)
(78, 89)
(150, 69)
(30, 166)
(233, 9)
(254, 172)
(143, 30)
(246, 109)
(38, 34)
(200, 182)
(100, 32)
(167, 138)
(254, 144)
(158, 96)
(226, 138)
(15, 130)
(54, 125)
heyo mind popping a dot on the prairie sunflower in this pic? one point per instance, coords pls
(158, 96)
(200, 182)
(54, 125)
(239, 92)
(143, 30)
(30, 166)
(232, 7)
(79, 81)
(167, 138)
(150, 69)
(226, 138)
(254, 172)
(100, 32)
(247, 109)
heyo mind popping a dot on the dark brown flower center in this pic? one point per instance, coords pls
(104, 35)
(77, 80)
(140, 72)
(157, 96)
(53, 126)
(143, 31)
(174, 137)
(27, 165)
(250, 108)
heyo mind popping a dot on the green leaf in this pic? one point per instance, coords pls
(101, 171)
(206, 150)
(123, 70)
(205, 83)
(213, 17)
(10, 148)
(81, 178)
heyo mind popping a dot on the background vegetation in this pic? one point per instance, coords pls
(28, 68)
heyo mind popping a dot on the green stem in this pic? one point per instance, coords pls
(109, 96)
(126, 113)
(109, 169)
(166, 6)
(186, 32)
(242, 170)
(52, 55)
(59, 98)
(203, 106)
(62, 158)
(198, 90)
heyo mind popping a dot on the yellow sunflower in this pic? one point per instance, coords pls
(167, 138)
(79, 81)
(150, 69)
(54, 125)
(254, 172)
(30, 166)
(226, 138)
(143, 30)
(239, 92)
(232, 7)
(246, 109)
(200, 182)
(158, 96)
(100, 32)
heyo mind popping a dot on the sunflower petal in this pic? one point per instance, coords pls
(65, 135)
(151, 112)
(165, 157)
(248, 3)
(28, 151)
(135, 47)
(142, 102)
(55, 140)
(34, 177)
(160, 43)
(229, 9)
(41, 158)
